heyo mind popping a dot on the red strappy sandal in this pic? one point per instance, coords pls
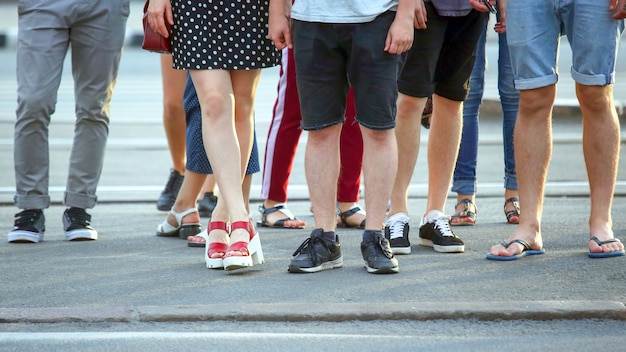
(215, 248)
(251, 252)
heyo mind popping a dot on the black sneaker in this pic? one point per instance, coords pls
(438, 234)
(377, 254)
(397, 233)
(316, 254)
(207, 204)
(77, 225)
(29, 227)
(168, 196)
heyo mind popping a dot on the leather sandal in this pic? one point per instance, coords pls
(465, 217)
(214, 251)
(342, 217)
(181, 230)
(512, 216)
(243, 254)
(288, 222)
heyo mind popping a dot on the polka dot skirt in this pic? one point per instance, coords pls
(222, 34)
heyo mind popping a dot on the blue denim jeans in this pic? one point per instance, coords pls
(464, 179)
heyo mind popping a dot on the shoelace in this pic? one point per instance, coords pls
(443, 224)
(308, 247)
(396, 229)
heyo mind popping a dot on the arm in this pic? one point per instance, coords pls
(160, 16)
(400, 35)
(280, 23)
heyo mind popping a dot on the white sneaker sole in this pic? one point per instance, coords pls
(442, 249)
(81, 235)
(21, 236)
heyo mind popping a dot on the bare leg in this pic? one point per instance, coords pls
(226, 99)
(322, 171)
(407, 131)
(533, 148)
(173, 112)
(380, 160)
(601, 143)
(443, 147)
(186, 199)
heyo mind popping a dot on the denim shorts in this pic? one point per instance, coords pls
(442, 56)
(534, 27)
(330, 57)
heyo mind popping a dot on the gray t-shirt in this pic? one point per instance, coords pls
(452, 8)
(340, 11)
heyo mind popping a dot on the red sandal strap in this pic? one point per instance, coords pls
(240, 225)
(218, 225)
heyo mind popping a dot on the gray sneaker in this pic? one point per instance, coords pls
(377, 253)
(316, 254)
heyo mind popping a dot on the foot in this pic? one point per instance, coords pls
(465, 213)
(511, 210)
(278, 216)
(605, 246)
(435, 232)
(516, 243)
(29, 227)
(397, 233)
(377, 254)
(317, 253)
(207, 204)
(77, 225)
(352, 217)
(168, 195)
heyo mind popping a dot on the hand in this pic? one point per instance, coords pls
(400, 34)
(279, 30)
(479, 6)
(500, 27)
(160, 16)
(419, 21)
(618, 7)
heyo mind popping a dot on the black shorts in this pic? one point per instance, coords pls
(442, 56)
(332, 57)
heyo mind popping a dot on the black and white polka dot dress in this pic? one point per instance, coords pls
(222, 34)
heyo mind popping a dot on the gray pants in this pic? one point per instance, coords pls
(95, 30)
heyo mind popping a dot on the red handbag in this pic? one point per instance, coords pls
(153, 41)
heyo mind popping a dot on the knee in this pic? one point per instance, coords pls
(35, 104)
(595, 99)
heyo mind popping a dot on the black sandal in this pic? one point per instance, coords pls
(343, 216)
(512, 216)
(288, 222)
(465, 217)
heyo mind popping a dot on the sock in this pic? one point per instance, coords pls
(329, 236)
(368, 234)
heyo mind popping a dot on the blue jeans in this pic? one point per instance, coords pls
(464, 179)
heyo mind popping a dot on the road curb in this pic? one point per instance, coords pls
(295, 312)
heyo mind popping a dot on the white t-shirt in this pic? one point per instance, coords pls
(340, 11)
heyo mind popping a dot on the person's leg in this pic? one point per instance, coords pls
(533, 144)
(509, 100)
(408, 138)
(173, 111)
(601, 144)
(351, 159)
(220, 137)
(183, 219)
(280, 149)
(174, 124)
(95, 64)
(464, 177)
